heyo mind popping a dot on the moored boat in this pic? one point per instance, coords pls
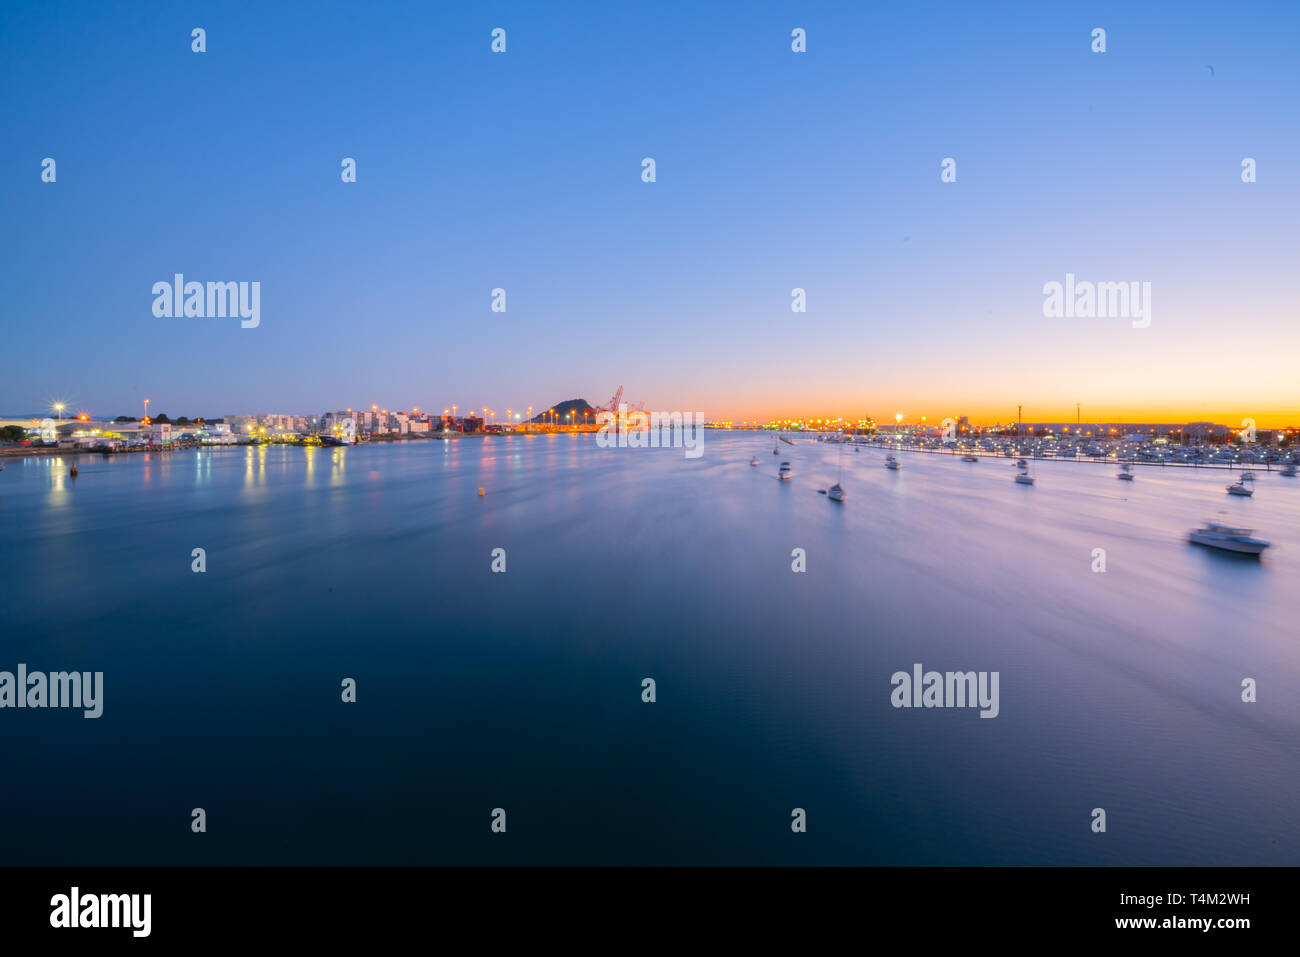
(1228, 538)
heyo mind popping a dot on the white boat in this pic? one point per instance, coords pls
(754, 460)
(969, 458)
(1021, 464)
(836, 492)
(1240, 488)
(1023, 477)
(784, 472)
(891, 462)
(1227, 537)
(1288, 470)
(1125, 472)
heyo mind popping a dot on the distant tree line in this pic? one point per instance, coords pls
(162, 417)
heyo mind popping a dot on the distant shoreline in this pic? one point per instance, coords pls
(16, 452)
(40, 451)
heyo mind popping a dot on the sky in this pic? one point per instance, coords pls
(775, 170)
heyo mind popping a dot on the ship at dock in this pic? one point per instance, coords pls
(343, 431)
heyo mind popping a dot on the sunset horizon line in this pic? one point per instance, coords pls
(979, 416)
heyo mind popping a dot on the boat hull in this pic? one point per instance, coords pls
(1227, 545)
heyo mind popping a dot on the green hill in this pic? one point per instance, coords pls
(579, 408)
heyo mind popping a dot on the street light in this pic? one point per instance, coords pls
(58, 407)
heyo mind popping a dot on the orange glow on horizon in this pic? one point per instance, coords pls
(983, 416)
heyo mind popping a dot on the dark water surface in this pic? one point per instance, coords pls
(522, 690)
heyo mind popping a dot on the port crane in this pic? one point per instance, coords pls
(612, 405)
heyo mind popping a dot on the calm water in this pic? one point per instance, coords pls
(522, 691)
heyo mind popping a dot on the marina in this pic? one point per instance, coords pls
(1250, 459)
(1213, 534)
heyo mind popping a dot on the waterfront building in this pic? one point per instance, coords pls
(218, 433)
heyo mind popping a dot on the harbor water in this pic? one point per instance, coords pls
(1120, 671)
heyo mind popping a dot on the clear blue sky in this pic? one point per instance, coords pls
(775, 170)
